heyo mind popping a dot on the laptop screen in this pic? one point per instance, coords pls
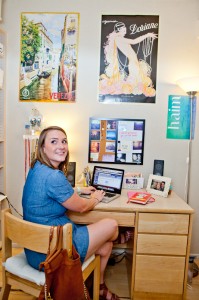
(108, 179)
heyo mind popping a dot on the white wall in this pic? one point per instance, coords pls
(178, 49)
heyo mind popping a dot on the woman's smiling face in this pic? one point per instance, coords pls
(56, 147)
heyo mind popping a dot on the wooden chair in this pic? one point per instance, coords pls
(15, 269)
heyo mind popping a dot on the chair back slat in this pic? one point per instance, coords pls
(35, 237)
(31, 235)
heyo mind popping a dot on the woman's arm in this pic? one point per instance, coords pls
(140, 38)
(78, 204)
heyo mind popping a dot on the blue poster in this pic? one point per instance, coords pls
(178, 121)
(193, 124)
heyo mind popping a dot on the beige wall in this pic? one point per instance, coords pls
(178, 57)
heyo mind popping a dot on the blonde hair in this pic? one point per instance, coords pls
(42, 157)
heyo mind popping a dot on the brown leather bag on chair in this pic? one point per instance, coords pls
(64, 280)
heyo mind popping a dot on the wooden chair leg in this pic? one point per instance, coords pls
(5, 291)
(96, 278)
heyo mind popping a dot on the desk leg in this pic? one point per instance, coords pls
(134, 256)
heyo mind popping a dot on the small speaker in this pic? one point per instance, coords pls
(71, 173)
(158, 168)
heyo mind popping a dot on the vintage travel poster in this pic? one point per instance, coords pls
(128, 59)
(49, 46)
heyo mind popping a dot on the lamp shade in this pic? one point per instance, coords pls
(190, 84)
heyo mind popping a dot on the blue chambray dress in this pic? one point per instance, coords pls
(44, 191)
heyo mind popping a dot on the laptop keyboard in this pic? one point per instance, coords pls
(109, 195)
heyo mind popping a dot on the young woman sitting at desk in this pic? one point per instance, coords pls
(47, 196)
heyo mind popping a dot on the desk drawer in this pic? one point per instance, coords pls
(159, 274)
(163, 223)
(123, 219)
(161, 244)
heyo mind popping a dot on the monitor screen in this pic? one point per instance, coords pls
(108, 179)
(117, 141)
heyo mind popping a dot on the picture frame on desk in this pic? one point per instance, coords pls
(158, 185)
(133, 183)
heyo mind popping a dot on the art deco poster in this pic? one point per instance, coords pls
(128, 60)
(49, 45)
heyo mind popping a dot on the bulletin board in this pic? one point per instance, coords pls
(116, 141)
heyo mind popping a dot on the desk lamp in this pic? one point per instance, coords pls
(191, 87)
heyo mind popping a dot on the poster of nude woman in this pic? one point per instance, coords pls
(48, 64)
(128, 60)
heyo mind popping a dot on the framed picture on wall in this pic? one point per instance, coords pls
(158, 185)
(128, 59)
(117, 141)
(48, 63)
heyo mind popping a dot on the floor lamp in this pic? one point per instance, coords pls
(191, 87)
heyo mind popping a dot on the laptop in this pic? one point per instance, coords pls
(109, 180)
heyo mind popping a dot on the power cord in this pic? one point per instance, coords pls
(114, 258)
(10, 205)
(195, 269)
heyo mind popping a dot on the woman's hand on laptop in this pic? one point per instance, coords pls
(95, 194)
(98, 195)
(87, 190)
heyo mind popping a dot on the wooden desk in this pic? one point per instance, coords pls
(161, 243)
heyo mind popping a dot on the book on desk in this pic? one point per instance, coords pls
(140, 197)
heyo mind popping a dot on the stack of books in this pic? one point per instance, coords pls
(140, 197)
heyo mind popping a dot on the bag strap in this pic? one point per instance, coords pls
(50, 238)
(59, 243)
